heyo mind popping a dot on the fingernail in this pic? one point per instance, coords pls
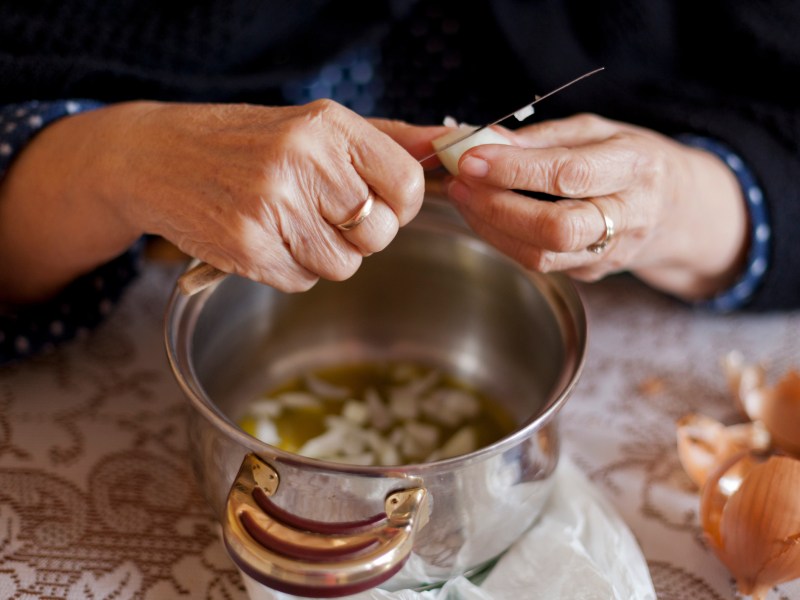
(474, 167)
(458, 191)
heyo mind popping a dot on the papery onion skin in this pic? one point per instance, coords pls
(755, 531)
(715, 494)
(746, 383)
(705, 443)
(696, 435)
(780, 413)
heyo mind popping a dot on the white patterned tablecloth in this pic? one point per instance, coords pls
(98, 501)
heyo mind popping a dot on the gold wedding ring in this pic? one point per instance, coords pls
(608, 234)
(361, 214)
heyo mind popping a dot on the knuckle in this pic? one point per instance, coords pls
(592, 275)
(572, 177)
(517, 173)
(653, 162)
(410, 192)
(588, 120)
(547, 261)
(345, 267)
(289, 284)
(566, 235)
(542, 261)
(301, 285)
(324, 106)
(315, 118)
(293, 137)
(372, 247)
(584, 275)
(384, 232)
(414, 188)
(492, 211)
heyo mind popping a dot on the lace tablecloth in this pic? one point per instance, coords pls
(97, 498)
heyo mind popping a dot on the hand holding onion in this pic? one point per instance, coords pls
(679, 218)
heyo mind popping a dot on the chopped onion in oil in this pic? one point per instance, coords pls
(377, 414)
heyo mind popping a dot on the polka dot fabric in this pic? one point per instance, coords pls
(350, 80)
(20, 122)
(738, 295)
(415, 72)
(32, 329)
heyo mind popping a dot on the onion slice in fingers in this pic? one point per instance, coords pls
(450, 156)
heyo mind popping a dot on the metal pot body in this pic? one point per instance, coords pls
(437, 295)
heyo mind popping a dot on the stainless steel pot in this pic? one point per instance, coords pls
(437, 295)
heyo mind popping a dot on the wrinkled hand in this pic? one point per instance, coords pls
(258, 191)
(679, 218)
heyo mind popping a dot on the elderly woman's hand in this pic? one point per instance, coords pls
(679, 218)
(259, 191)
(251, 190)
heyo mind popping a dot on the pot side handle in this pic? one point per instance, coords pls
(311, 558)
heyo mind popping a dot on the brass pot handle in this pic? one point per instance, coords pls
(199, 277)
(311, 558)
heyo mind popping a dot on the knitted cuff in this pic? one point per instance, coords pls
(37, 328)
(741, 291)
(34, 328)
(20, 122)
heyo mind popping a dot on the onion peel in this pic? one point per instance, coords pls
(780, 412)
(746, 383)
(705, 443)
(751, 519)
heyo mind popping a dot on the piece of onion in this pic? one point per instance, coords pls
(751, 519)
(371, 429)
(452, 155)
(778, 406)
(450, 407)
(780, 412)
(745, 382)
(705, 443)
(356, 411)
(462, 441)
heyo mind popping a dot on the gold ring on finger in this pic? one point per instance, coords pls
(600, 245)
(361, 214)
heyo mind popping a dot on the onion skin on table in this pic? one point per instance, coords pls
(780, 413)
(750, 515)
(777, 407)
(705, 443)
(750, 477)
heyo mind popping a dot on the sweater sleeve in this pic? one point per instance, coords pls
(745, 287)
(26, 330)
